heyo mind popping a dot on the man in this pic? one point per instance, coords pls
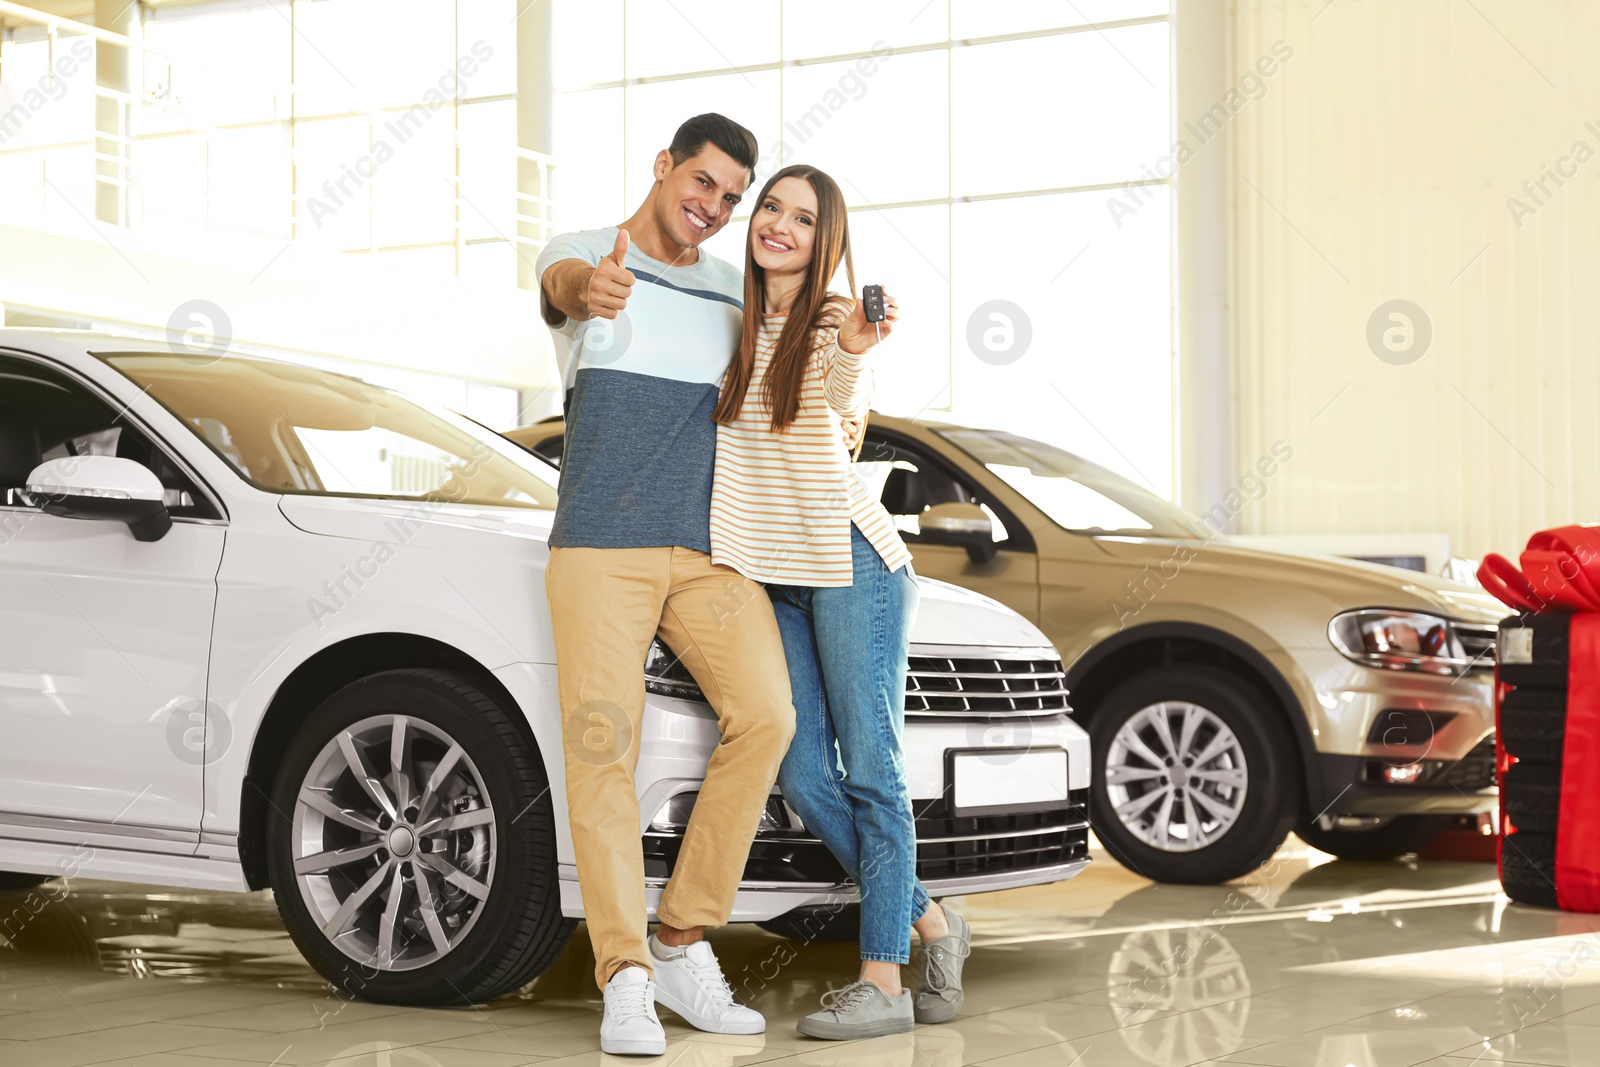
(645, 324)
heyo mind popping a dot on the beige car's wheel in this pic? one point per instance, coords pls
(1176, 775)
(1195, 778)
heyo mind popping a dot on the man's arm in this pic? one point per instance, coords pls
(566, 287)
(574, 289)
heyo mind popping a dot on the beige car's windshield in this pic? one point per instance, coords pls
(1075, 494)
(292, 429)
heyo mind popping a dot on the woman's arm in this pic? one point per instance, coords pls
(845, 338)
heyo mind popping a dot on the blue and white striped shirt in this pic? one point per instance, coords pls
(640, 444)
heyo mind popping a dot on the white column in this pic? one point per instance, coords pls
(116, 69)
(535, 122)
(1202, 224)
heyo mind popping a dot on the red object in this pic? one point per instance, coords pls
(1468, 839)
(1501, 577)
(1560, 572)
(1577, 862)
(1502, 762)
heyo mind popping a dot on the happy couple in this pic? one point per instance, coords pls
(703, 467)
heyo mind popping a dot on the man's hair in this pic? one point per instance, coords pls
(719, 130)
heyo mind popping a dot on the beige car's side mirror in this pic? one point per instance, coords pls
(964, 525)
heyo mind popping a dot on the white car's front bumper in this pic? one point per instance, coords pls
(789, 869)
(961, 698)
(759, 901)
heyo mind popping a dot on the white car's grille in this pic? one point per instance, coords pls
(978, 686)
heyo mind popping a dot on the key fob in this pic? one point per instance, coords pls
(872, 302)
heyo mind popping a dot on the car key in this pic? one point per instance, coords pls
(872, 297)
(872, 305)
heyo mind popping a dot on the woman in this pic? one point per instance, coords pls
(788, 510)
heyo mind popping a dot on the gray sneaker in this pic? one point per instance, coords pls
(939, 994)
(860, 1009)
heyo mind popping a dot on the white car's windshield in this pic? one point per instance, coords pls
(292, 429)
(1076, 495)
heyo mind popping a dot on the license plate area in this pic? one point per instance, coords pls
(1004, 781)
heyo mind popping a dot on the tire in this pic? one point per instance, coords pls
(820, 923)
(1254, 779)
(491, 876)
(1550, 647)
(1533, 724)
(12, 880)
(1530, 796)
(1528, 868)
(1398, 836)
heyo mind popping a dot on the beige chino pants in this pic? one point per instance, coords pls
(606, 605)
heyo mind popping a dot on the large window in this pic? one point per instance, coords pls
(374, 126)
(1003, 166)
(367, 127)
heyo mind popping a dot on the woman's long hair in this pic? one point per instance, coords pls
(787, 373)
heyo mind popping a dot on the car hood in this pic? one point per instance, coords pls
(947, 614)
(498, 531)
(1348, 583)
(950, 615)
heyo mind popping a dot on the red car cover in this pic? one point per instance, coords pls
(1560, 572)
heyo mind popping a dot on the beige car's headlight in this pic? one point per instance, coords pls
(1399, 640)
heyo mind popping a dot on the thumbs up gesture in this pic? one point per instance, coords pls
(610, 283)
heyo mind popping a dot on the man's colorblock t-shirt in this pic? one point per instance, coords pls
(637, 459)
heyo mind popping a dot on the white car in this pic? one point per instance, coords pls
(268, 626)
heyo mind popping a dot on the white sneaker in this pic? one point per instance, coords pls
(630, 1026)
(690, 982)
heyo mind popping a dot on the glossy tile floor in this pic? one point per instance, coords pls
(1310, 961)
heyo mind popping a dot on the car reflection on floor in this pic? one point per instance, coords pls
(1305, 960)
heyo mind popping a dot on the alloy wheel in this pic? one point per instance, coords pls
(393, 842)
(1176, 776)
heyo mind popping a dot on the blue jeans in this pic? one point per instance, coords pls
(847, 651)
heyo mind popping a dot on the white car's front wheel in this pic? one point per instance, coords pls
(412, 843)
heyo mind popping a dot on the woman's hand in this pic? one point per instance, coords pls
(850, 432)
(857, 335)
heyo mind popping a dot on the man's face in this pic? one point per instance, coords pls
(698, 195)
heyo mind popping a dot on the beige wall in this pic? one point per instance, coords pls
(1377, 165)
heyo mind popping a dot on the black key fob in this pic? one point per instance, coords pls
(872, 302)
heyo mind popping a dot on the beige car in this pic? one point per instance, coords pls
(1232, 694)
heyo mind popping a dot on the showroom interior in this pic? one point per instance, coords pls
(1233, 420)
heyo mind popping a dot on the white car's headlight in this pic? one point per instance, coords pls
(1399, 640)
(665, 675)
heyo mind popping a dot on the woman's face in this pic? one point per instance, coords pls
(783, 229)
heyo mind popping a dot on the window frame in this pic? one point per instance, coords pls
(1018, 537)
(204, 495)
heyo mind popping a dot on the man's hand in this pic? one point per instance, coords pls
(610, 283)
(852, 433)
(857, 335)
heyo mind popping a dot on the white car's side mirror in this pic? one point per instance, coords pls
(104, 488)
